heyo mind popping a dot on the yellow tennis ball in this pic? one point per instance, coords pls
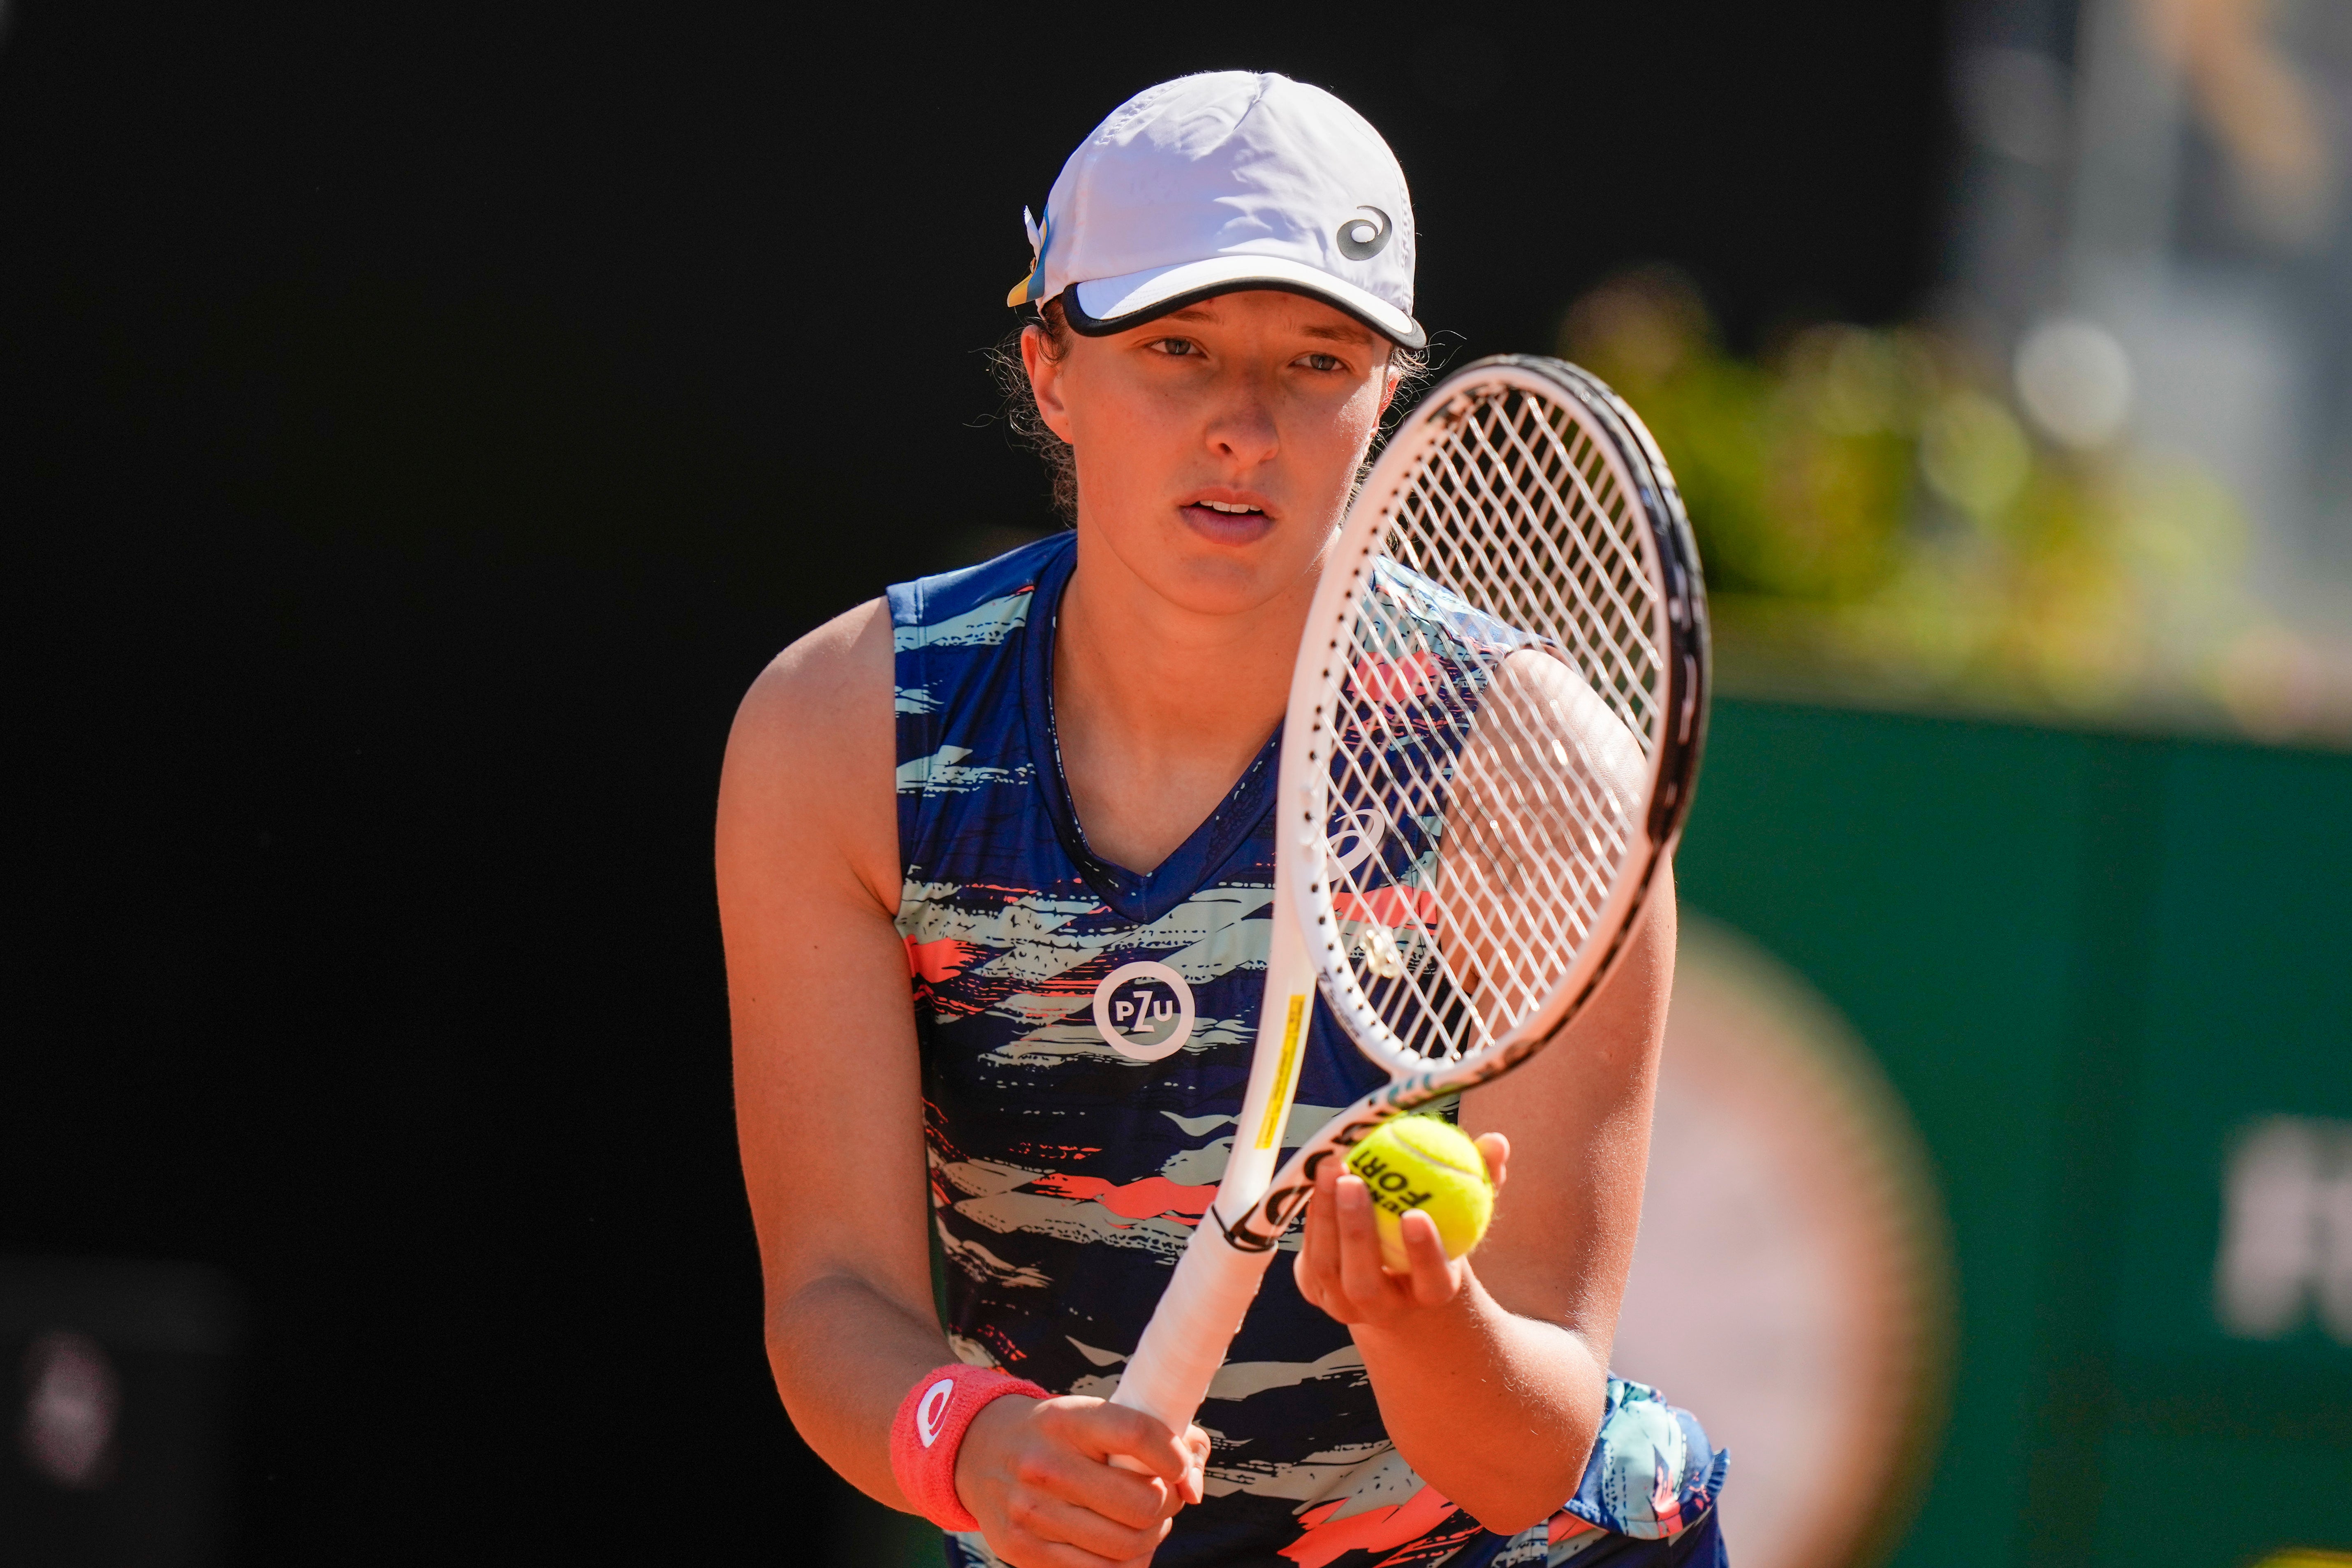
(1421, 1162)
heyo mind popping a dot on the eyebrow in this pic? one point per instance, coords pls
(1348, 331)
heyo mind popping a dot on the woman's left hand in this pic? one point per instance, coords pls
(1339, 1263)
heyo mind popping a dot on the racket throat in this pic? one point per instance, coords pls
(1285, 1017)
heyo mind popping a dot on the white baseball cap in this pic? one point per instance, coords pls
(1222, 181)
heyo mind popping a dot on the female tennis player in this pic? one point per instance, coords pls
(1042, 787)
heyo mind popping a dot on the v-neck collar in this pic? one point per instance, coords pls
(1138, 896)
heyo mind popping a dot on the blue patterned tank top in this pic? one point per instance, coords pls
(1086, 1033)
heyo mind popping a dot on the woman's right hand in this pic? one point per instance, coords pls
(1037, 1474)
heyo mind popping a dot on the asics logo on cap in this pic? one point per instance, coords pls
(1359, 239)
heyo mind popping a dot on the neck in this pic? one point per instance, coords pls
(1160, 708)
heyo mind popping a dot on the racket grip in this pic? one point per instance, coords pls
(1186, 1340)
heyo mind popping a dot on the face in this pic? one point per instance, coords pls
(1217, 445)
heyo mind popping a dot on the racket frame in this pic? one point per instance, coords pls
(1209, 1294)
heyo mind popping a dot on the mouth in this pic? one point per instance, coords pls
(1227, 518)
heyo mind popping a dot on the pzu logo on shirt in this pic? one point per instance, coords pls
(1144, 1011)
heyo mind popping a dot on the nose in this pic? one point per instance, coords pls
(1241, 431)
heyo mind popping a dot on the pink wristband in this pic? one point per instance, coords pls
(930, 1428)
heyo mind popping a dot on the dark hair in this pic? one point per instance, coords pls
(1411, 367)
(1020, 415)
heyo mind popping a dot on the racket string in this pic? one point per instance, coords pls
(1623, 674)
(1618, 621)
(1501, 682)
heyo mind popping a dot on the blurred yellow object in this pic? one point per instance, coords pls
(2304, 1557)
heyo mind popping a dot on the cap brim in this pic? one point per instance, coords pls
(1107, 305)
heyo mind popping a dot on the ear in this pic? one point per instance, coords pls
(1045, 382)
(1392, 377)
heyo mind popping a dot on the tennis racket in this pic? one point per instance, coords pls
(1494, 726)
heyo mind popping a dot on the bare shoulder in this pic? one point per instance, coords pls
(811, 760)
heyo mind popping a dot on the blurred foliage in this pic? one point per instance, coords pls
(1877, 521)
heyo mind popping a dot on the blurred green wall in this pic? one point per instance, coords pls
(2088, 963)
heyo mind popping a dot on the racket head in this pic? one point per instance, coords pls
(1495, 721)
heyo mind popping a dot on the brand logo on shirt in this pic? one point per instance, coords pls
(1144, 1010)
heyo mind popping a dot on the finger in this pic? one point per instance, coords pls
(1496, 1150)
(1110, 1489)
(1359, 1243)
(1119, 1494)
(1316, 1260)
(1056, 1468)
(1014, 1544)
(1098, 1430)
(1027, 1550)
(1052, 1520)
(1433, 1279)
(1196, 1442)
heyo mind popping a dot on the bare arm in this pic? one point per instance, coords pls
(828, 1109)
(817, 989)
(1492, 1381)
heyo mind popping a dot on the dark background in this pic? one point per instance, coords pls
(417, 424)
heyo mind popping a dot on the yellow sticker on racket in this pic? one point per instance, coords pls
(1278, 1103)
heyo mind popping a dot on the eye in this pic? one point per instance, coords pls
(1325, 364)
(1177, 348)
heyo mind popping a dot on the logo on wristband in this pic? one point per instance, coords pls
(934, 1410)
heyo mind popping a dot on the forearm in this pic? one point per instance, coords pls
(844, 1353)
(1496, 1411)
